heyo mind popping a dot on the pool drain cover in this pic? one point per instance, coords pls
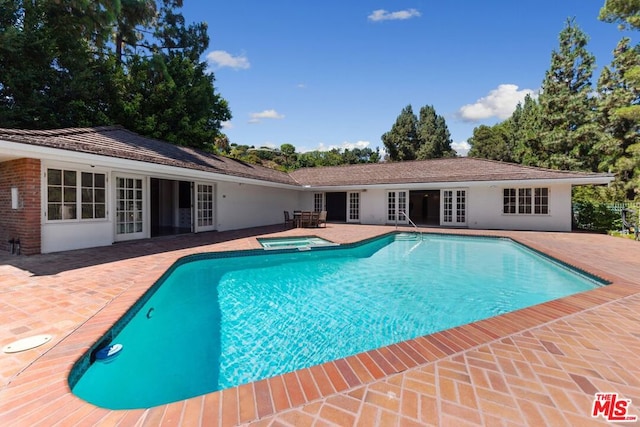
(27, 343)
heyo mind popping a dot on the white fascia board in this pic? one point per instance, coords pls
(597, 180)
(20, 150)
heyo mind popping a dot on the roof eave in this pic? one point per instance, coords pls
(587, 180)
(20, 150)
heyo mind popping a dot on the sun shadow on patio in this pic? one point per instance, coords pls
(50, 264)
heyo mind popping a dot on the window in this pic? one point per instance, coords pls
(509, 201)
(68, 197)
(528, 201)
(93, 195)
(524, 200)
(541, 201)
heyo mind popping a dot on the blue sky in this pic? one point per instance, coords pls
(321, 75)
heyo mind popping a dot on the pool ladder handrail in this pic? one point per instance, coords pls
(412, 223)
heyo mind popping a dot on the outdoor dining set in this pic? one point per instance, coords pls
(305, 219)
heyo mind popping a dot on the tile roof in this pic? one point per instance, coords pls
(115, 141)
(457, 169)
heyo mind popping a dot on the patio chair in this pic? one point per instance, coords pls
(305, 219)
(288, 221)
(314, 219)
(322, 218)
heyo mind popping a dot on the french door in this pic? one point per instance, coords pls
(454, 207)
(353, 207)
(130, 208)
(205, 207)
(397, 207)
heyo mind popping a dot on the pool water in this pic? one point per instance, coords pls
(220, 322)
(293, 242)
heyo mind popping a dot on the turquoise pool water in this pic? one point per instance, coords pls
(293, 242)
(222, 320)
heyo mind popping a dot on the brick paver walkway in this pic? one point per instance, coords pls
(537, 366)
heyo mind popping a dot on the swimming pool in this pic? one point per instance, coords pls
(219, 320)
(301, 242)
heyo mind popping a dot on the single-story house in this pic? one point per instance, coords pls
(84, 187)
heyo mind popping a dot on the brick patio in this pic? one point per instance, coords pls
(537, 366)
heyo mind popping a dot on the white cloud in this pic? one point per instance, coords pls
(266, 114)
(301, 86)
(221, 59)
(500, 103)
(383, 15)
(226, 125)
(462, 148)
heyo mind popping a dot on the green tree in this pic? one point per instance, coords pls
(221, 142)
(289, 155)
(526, 129)
(49, 75)
(434, 139)
(401, 142)
(567, 106)
(624, 12)
(491, 142)
(411, 138)
(619, 102)
(59, 68)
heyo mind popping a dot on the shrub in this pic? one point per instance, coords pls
(595, 216)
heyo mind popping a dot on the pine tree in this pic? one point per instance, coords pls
(619, 105)
(526, 125)
(411, 138)
(434, 139)
(567, 107)
(624, 12)
(401, 142)
(490, 142)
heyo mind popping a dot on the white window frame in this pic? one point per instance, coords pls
(454, 209)
(145, 213)
(528, 201)
(318, 202)
(353, 206)
(198, 206)
(395, 202)
(78, 193)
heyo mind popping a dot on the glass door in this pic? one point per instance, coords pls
(130, 208)
(353, 207)
(454, 207)
(205, 218)
(397, 207)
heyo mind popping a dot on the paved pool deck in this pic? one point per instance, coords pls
(537, 366)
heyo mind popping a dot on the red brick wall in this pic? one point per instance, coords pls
(22, 223)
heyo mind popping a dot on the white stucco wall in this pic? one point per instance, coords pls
(244, 205)
(373, 206)
(238, 205)
(485, 210)
(64, 236)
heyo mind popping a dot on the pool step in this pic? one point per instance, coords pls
(408, 236)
